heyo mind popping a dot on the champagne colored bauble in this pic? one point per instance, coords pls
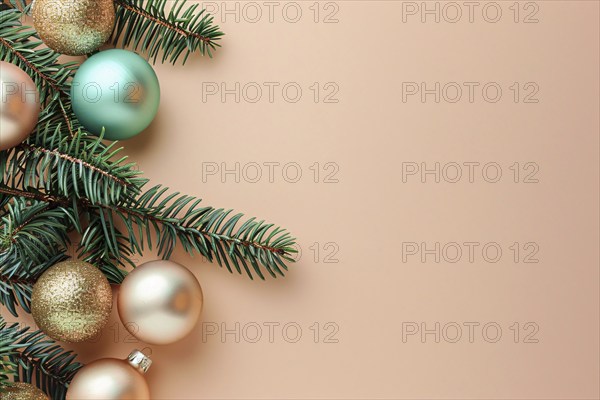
(74, 27)
(71, 301)
(112, 379)
(116, 90)
(19, 105)
(160, 302)
(22, 391)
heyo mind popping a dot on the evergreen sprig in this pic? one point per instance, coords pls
(148, 26)
(171, 219)
(32, 230)
(30, 356)
(80, 166)
(211, 232)
(109, 255)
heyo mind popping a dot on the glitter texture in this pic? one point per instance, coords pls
(22, 391)
(74, 27)
(71, 301)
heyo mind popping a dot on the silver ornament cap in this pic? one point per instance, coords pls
(139, 361)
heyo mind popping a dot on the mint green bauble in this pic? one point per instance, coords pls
(116, 90)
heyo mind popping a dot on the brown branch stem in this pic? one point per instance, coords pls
(13, 280)
(74, 160)
(19, 228)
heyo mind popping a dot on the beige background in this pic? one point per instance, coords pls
(365, 218)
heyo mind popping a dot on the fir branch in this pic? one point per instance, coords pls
(34, 358)
(205, 230)
(63, 155)
(145, 25)
(109, 255)
(32, 231)
(208, 231)
(78, 167)
(7, 369)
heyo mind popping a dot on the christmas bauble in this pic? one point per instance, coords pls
(160, 302)
(112, 379)
(74, 27)
(22, 391)
(71, 301)
(118, 90)
(19, 105)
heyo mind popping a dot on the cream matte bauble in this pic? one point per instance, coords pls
(112, 379)
(19, 105)
(160, 302)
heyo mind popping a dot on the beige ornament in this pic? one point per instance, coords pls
(71, 301)
(19, 105)
(112, 379)
(74, 27)
(160, 302)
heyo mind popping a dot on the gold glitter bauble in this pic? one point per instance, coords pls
(71, 301)
(74, 27)
(22, 391)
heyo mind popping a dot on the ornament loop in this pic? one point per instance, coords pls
(139, 361)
